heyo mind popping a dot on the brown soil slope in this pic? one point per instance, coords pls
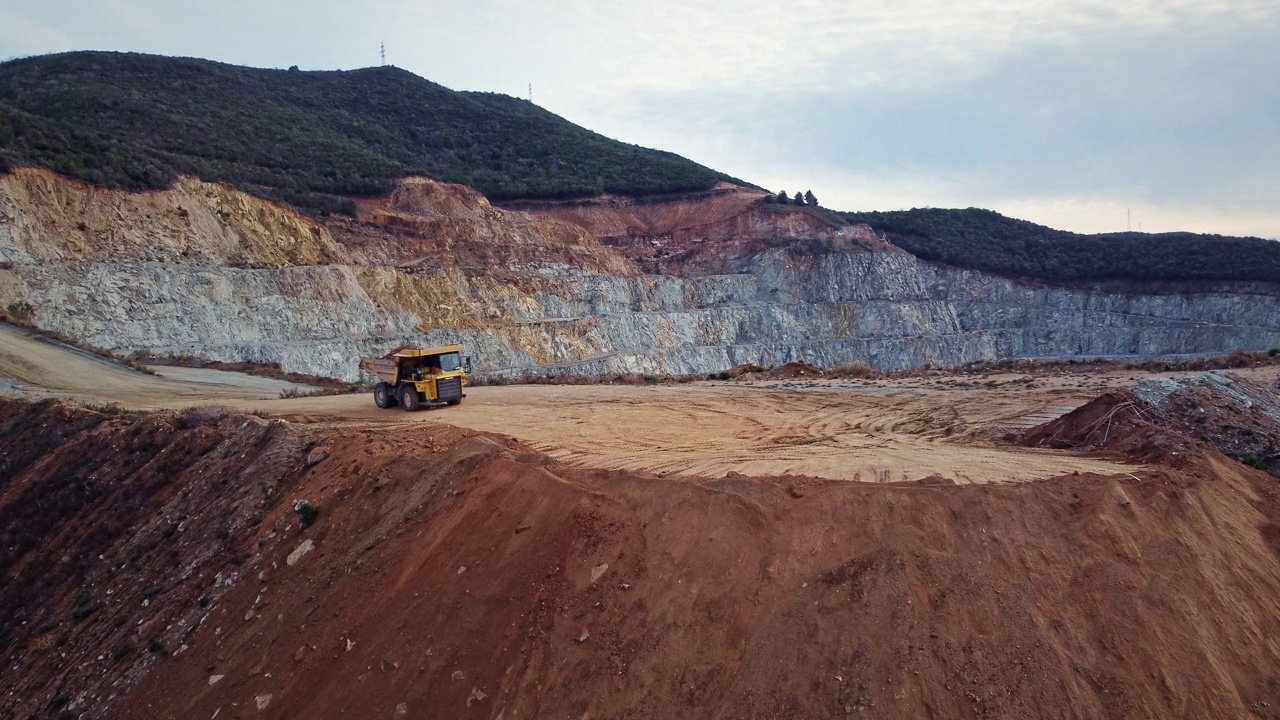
(461, 575)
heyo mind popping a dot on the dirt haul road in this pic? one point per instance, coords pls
(31, 366)
(710, 430)
(869, 431)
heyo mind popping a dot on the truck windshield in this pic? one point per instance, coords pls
(450, 362)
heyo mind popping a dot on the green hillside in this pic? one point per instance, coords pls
(988, 241)
(308, 138)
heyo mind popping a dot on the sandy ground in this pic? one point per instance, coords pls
(869, 431)
(881, 431)
(708, 429)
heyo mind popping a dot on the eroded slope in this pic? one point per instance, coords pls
(459, 575)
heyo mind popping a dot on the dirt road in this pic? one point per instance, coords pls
(882, 431)
(712, 429)
(31, 366)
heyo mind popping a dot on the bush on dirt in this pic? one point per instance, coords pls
(19, 313)
(307, 513)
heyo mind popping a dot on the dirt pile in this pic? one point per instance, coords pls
(452, 574)
(800, 370)
(1162, 416)
(433, 225)
(116, 533)
(698, 231)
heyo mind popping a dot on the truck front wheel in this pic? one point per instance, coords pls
(409, 399)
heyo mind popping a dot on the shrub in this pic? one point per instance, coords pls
(307, 513)
(988, 241)
(20, 313)
(138, 121)
(84, 611)
(156, 646)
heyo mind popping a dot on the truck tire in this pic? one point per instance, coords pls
(455, 401)
(382, 395)
(409, 399)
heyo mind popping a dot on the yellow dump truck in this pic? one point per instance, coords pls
(414, 376)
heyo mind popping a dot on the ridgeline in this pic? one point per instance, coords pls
(311, 139)
(988, 241)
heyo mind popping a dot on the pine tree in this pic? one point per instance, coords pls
(799, 198)
(782, 197)
(809, 199)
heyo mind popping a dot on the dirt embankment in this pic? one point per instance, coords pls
(433, 225)
(664, 234)
(155, 567)
(54, 219)
(1159, 416)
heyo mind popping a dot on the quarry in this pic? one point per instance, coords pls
(720, 455)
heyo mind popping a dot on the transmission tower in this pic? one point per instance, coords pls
(382, 51)
(530, 93)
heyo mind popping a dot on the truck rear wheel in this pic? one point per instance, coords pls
(455, 401)
(382, 395)
(409, 399)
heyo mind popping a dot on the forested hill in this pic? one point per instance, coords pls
(312, 139)
(988, 241)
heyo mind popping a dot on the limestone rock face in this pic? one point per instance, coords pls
(205, 270)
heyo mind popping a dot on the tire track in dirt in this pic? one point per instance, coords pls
(713, 430)
(860, 431)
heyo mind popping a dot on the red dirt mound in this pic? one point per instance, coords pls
(449, 574)
(1161, 418)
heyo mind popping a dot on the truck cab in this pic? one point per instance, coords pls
(412, 377)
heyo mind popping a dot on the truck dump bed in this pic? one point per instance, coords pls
(388, 367)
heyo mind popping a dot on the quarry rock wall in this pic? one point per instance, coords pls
(204, 270)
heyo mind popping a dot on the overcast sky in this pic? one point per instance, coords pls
(1065, 112)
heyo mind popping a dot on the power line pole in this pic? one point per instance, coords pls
(382, 50)
(1128, 220)
(530, 93)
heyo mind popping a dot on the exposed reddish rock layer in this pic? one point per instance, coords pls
(456, 575)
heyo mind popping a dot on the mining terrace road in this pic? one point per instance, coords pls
(712, 429)
(32, 366)
(870, 431)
